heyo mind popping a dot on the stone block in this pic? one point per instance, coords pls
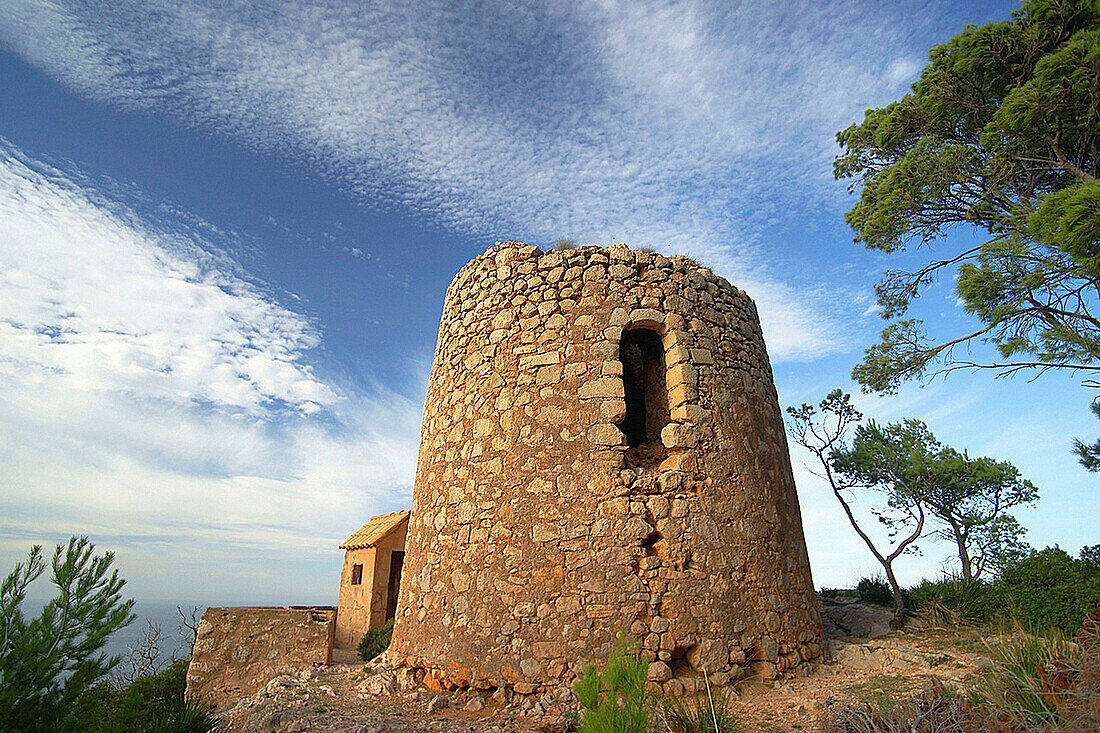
(689, 413)
(659, 672)
(542, 359)
(677, 355)
(620, 272)
(548, 375)
(681, 374)
(646, 316)
(702, 356)
(545, 533)
(613, 410)
(602, 387)
(681, 394)
(675, 435)
(605, 434)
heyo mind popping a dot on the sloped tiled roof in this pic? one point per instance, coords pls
(374, 530)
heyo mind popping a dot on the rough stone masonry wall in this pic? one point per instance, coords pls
(536, 536)
(239, 650)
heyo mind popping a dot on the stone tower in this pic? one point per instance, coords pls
(602, 452)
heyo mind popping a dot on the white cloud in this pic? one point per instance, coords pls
(91, 302)
(686, 125)
(156, 400)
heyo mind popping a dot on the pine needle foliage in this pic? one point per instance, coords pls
(48, 662)
(999, 136)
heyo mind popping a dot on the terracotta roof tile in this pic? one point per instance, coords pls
(374, 530)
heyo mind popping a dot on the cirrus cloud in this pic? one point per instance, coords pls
(689, 125)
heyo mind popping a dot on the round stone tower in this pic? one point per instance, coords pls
(602, 453)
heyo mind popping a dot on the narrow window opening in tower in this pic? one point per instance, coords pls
(643, 357)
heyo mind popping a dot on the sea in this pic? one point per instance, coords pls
(173, 641)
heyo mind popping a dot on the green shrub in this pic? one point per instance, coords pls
(1045, 590)
(1090, 557)
(953, 598)
(1050, 589)
(613, 696)
(875, 590)
(151, 704)
(375, 641)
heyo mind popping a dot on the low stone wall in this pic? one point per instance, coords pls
(238, 650)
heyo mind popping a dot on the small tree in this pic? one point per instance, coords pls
(48, 662)
(970, 499)
(142, 659)
(967, 499)
(873, 463)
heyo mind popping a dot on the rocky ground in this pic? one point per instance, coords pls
(866, 661)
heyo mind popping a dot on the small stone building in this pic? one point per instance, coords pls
(602, 453)
(371, 577)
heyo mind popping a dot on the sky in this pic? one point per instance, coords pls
(226, 230)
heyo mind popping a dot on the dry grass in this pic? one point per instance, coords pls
(1071, 681)
(1036, 683)
(935, 710)
(709, 713)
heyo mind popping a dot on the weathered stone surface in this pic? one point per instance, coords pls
(878, 657)
(659, 672)
(848, 618)
(603, 387)
(604, 434)
(709, 655)
(540, 530)
(239, 650)
(679, 436)
(383, 682)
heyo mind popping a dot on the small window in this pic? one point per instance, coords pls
(356, 574)
(643, 357)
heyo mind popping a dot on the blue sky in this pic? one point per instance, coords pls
(226, 231)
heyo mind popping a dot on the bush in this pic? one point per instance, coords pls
(613, 696)
(151, 704)
(1013, 686)
(1050, 589)
(1045, 590)
(375, 641)
(1075, 681)
(953, 598)
(875, 590)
